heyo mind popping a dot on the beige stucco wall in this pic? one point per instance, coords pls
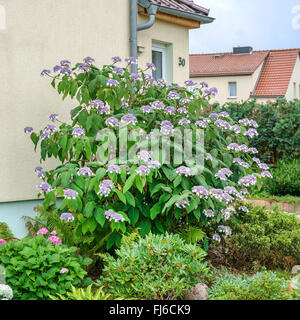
(291, 94)
(245, 85)
(38, 34)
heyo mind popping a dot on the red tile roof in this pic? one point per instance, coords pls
(216, 64)
(276, 74)
(183, 5)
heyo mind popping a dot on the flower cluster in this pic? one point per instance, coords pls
(105, 187)
(111, 215)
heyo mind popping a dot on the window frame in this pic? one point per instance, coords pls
(229, 91)
(161, 48)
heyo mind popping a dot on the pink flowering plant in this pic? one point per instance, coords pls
(41, 266)
(112, 177)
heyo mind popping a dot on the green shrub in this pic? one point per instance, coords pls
(34, 268)
(156, 267)
(270, 237)
(106, 177)
(263, 285)
(5, 232)
(286, 178)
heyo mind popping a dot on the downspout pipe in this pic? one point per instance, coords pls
(134, 28)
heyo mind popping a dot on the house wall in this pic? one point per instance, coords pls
(245, 85)
(35, 35)
(291, 93)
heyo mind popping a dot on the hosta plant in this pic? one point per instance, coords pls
(128, 155)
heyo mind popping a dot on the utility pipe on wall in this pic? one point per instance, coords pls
(134, 28)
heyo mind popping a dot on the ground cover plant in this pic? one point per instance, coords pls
(106, 196)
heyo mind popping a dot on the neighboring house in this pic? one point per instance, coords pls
(36, 34)
(244, 73)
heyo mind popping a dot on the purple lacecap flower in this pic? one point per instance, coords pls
(161, 82)
(142, 171)
(216, 194)
(113, 168)
(84, 67)
(245, 164)
(112, 122)
(105, 187)
(243, 148)
(216, 237)
(118, 70)
(244, 191)
(182, 204)
(247, 181)
(237, 160)
(158, 105)
(214, 116)
(184, 101)
(173, 95)
(253, 150)
(266, 174)
(151, 83)
(184, 171)
(206, 120)
(227, 197)
(125, 104)
(116, 59)
(240, 196)
(244, 209)
(182, 110)
(128, 118)
(38, 169)
(222, 124)
(189, 83)
(253, 124)
(223, 174)
(85, 171)
(201, 124)
(43, 231)
(131, 60)
(53, 117)
(236, 129)
(112, 83)
(111, 215)
(88, 60)
(226, 213)
(67, 217)
(104, 110)
(65, 70)
(45, 187)
(204, 84)
(150, 135)
(256, 160)
(97, 103)
(166, 127)
(50, 128)
(153, 164)
(244, 122)
(41, 174)
(213, 91)
(151, 66)
(70, 194)
(45, 135)
(224, 229)
(65, 63)
(184, 121)
(209, 213)
(263, 166)
(231, 190)
(200, 191)
(136, 76)
(28, 129)
(63, 270)
(146, 109)
(45, 72)
(54, 240)
(126, 167)
(78, 132)
(224, 114)
(56, 68)
(251, 133)
(144, 155)
(208, 157)
(170, 110)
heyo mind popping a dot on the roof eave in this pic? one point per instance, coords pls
(178, 13)
(266, 96)
(199, 75)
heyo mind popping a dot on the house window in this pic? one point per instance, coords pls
(159, 59)
(232, 90)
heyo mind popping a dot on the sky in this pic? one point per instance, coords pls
(262, 24)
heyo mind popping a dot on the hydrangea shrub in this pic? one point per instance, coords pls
(106, 195)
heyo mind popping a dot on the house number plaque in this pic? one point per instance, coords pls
(181, 62)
